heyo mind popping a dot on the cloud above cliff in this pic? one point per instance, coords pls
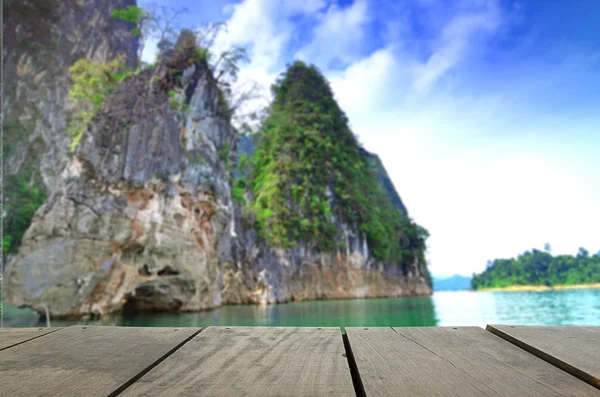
(484, 112)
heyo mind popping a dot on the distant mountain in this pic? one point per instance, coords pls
(454, 283)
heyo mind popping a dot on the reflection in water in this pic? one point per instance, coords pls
(404, 312)
(568, 307)
(336, 313)
(580, 308)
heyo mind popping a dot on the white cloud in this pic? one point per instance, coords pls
(358, 88)
(456, 39)
(265, 26)
(484, 206)
(338, 34)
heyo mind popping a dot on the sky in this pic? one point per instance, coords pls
(485, 113)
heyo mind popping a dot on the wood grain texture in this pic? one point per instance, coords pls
(253, 361)
(514, 357)
(445, 361)
(85, 361)
(575, 350)
(10, 337)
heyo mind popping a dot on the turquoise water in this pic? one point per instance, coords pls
(568, 307)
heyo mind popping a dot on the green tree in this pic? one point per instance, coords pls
(92, 82)
(540, 268)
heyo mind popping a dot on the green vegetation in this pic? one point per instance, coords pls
(240, 181)
(15, 136)
(540, 268)
(239, 188)
(224, 153)
(161, 176)
(175, 104)
(201, 54)
(308, 171)
(33, 45)
(131, 14)
(23, 191)
(92, 82)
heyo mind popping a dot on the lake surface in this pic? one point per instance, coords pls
(567, 307)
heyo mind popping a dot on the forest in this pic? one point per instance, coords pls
(537, 267)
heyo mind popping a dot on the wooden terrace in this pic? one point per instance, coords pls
(501, 360)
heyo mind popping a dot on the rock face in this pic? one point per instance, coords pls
(42, 39)
(261, 275)
(258, 274)
(141, 217)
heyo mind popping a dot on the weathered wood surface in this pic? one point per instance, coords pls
(10, 337)
(253, 361)
(576, 350)
(513, 356)
(85, 361)
(461, 361)
(279, 361)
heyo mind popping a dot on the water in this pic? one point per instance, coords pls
(567, 307)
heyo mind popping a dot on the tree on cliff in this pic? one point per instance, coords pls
(225, 64)
(92, 82)
(162, 24)
(310, 175)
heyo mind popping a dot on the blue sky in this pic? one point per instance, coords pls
(484, 112)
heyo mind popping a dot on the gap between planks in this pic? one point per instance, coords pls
(359, 388)
(143, 372)
(568, 368)
(33, 337)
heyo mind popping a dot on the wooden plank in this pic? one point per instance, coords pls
(513, 356)
(85, 360)
(253, 361)
(10, 337)
(440, 361)
(575, 350)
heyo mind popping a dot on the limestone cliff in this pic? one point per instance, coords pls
(319, 217)
(142, 208)
(41, 40)
(261, 274)
(141, 216)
